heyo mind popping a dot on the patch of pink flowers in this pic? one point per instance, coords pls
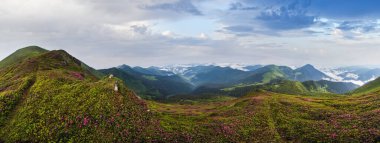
(333, 135)
(85, 121)
(77, 75)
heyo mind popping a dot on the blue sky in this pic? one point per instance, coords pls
(106, 33)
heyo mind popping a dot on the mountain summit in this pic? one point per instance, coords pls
(53, 96)
(21, 54)
(309, 72)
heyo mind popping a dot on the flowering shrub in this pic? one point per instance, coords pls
(52, 105)
(77, 75)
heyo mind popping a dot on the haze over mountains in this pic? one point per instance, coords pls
(163, 82)
(356, 74)
(190, 71)
(51, 96)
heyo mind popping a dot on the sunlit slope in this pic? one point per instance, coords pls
(372, 86)
(51, 97)
(272, 117)
(150, 86)
(21, 54)
(316, 88)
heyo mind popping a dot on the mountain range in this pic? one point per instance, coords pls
(162, 82)
(51, 96)
(150, 83)
(356, 74)
(359, 75)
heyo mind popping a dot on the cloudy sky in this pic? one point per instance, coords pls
(106, 33)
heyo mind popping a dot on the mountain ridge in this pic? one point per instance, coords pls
(74, 104)
(21, 54)
(53, 98)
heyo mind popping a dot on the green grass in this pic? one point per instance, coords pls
(241, 85)
(273, 117)
(267, 77)
(194, 99)
(52, 98)
(370, 87)
(21, 54)
(315, 88)
(153, 78)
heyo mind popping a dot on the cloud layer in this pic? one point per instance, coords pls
(150, 32)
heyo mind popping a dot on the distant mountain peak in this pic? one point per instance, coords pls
(21, 54)
(307, 66)
(124, 66)
(33, 47)
(309, 72)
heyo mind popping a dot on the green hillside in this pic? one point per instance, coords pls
(21, 54)
(272, 117)
(372, 86)
(278, 86)
(331, 87)
(53, 98)
(132, 82)
(287, 87)
(217, 75)
(269, 73)
(273, 72)
(307, 73)
(150, 86)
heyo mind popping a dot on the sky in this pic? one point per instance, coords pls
(107, 33)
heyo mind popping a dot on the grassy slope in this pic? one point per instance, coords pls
(151, 86)
(130, 80)
(291, 87)
(52, 98)
(372, 86)
(269, 73)
(271, 117)
(328, 86)
(21, 54)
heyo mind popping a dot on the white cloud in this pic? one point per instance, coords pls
(337, 32)
(168, 34)
(127, 32)
(203, 36)
(131, 30)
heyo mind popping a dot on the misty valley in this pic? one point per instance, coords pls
(51, 96)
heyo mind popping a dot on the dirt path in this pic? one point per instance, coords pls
(21, 100)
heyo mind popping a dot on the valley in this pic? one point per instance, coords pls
(189, 71)
(51, 96)
(273, 117)
(159, 83)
